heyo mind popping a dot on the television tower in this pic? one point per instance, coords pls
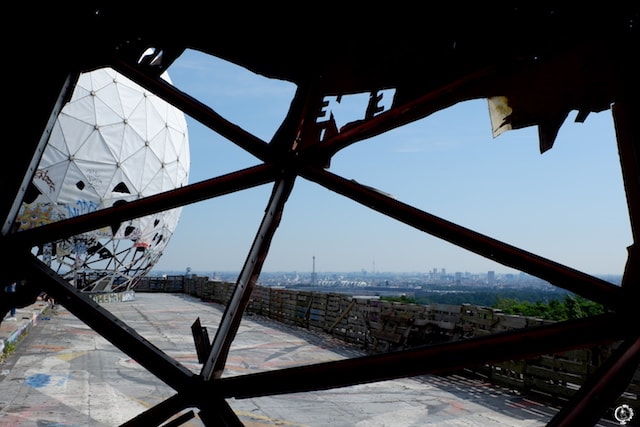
(313, 271)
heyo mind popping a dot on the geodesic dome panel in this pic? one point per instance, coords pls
(113, 142)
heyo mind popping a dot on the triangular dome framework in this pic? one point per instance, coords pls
(112, 143)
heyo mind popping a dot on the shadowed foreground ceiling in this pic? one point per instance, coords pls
(535, 64)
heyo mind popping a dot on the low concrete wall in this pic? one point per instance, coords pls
(382, 326)
(12, 331)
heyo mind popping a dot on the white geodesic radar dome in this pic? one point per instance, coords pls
(112, 142)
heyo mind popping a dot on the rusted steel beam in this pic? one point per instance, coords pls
(559, 275)
(599, 393)
(181, 420)
(110, 327)
(17, 173)
(225, 184)
(214, 410)
(194, 108)
(433, 359)
(218, 413)
(234, 309)
(161, 412)
(626, 114)
(400, 115)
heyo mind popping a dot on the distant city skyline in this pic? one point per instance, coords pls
(567, 205)
(489, 274)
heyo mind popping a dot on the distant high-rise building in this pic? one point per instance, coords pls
(491, 277)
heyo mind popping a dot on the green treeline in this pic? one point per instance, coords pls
(548, 305)
(570, 307)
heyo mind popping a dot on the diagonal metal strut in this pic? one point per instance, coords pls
(583, 284)
(234, 310)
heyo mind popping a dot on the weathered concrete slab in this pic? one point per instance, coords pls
(65, 374)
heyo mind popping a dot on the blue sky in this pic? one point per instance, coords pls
(567, 204)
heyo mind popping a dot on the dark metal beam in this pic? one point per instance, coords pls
(626, 118)
(225, 184)
(626, 115)
(441, 97)
(110, 327)
(234, 310)
(575, 281)
(160, 413)
(600, 392)
(32, 130)
(195, 109)
(433, 359)
(218, 413)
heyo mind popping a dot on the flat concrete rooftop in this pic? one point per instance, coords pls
(65, 374)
